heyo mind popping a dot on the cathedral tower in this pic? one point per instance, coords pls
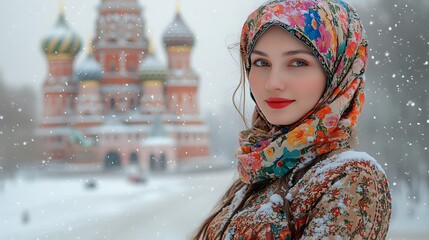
(192, 134)
(153, 76)
(59, 90)
(120, 45)
(88, 102)
(182, 82)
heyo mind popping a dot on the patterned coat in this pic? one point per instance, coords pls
(345, 196)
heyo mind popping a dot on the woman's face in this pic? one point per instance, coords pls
(285, 77)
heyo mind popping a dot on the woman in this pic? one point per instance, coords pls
(305, 62)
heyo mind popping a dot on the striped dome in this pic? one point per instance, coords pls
(178, 33)
(152, 69)
(89, 69)
(61, 40)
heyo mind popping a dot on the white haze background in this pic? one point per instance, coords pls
(393, 126)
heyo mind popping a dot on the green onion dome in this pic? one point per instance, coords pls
(89, 68)
(61, 40)
(152, 69)
(178, 33)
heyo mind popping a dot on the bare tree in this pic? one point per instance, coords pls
(18, 145)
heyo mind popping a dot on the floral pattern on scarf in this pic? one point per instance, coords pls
(333, 32)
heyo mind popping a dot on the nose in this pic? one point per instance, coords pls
(276, 80)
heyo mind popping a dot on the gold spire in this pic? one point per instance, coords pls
(178, 5)
(151, 49)
(62, 7)
(90, 47)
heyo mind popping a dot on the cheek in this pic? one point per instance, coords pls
(256, 81)
(310, 89)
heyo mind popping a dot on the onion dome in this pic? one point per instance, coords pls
(152, 69)
(89, 68)
(61, 40)
(178, 33)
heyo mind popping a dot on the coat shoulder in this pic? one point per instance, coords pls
(334, 170)
(349, 160)
(348, 187)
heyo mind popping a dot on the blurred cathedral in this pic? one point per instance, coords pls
(120, 106)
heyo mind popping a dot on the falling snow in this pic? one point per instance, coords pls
(393, 128)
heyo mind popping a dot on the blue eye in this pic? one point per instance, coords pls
(260, 63)
(299, 63)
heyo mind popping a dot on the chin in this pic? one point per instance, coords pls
(279, 122)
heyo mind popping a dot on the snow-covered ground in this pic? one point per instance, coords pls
(165, 207)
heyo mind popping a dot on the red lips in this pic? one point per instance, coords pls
(278, 103)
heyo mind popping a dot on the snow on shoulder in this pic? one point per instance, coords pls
(268, 208)
(346, 157)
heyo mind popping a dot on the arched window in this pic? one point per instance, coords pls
(163, 162)
(72, 104)
(112, 104)
(153, 162)
(134, 158)
(112, 66)
(112, 160)
(132, 67)
(132, 107)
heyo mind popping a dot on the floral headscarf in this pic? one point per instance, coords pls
(333, 32)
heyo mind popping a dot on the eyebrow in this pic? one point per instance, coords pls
(288, 53)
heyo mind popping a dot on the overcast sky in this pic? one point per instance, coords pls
(217, 24)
